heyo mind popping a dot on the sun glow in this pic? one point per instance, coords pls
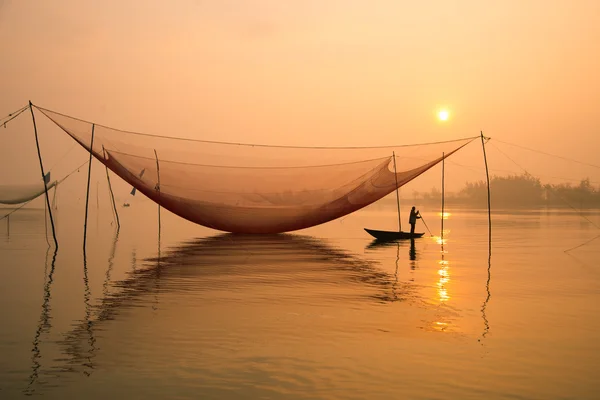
(443, 115)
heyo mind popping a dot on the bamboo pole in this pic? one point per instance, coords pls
(443, 162)
(158, 188)
(87, 197)
(112, 196)
(397, 195)
(37, 143)
(487, 175)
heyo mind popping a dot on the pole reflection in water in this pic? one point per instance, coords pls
(43, 325)
(111, 259)
(486, 325)
(88, 323)
(80, 343)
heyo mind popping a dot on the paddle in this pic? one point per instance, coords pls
(425, 224)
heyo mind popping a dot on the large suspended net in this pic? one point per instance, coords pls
(244, 188)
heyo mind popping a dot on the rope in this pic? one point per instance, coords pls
(62, 157)
(12, 116)
(583, 244)
(548, 154)
(556, 194)
(254, 144)
(248, 167)
(473, 168)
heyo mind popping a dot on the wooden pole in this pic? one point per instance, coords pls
(443, 162)
(489, 266)
(397, 195)
(87, 197)
(37, 143)
(54, 197)
(112, 196)
(487, 174)
(158, 188)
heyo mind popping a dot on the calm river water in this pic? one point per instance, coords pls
(317, 314)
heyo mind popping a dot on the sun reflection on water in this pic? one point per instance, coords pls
(445, 215)
(443, 272)
(444, 278)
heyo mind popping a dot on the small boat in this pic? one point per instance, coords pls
(386, 236)
(392, 235)
(125, 204)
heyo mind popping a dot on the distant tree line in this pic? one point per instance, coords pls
(519, 191)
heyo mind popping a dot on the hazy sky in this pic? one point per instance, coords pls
(314, 72)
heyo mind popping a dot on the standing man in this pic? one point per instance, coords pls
(412, 220)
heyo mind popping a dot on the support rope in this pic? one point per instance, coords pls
(549, 154)
(12, 116)
(255, 144)
(556, 194)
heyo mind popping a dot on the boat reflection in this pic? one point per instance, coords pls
(412, 249)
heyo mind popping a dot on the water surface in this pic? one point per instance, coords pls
(320, 313)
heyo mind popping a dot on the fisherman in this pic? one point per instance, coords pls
(412, 220)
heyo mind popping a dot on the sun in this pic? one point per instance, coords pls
(443, 115)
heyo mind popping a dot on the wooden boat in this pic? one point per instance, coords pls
(392, 235)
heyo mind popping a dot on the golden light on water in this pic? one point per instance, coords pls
(444, 278)
(445, 215)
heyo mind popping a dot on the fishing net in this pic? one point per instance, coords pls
(246, 188)
(18, 194)
(19, 185)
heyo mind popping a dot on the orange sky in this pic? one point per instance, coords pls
(314, 72)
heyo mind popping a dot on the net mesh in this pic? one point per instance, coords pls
(18, 194)
(244, 188)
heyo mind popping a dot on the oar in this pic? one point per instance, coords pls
(425, 224)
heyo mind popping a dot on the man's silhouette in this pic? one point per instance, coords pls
(412, 220)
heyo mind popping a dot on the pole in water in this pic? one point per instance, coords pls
(87, 197)
(487, 175)
(112, 196)
(397, 196)
(158, 188)
(425, 223)
(37, 143)
(443, 159)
